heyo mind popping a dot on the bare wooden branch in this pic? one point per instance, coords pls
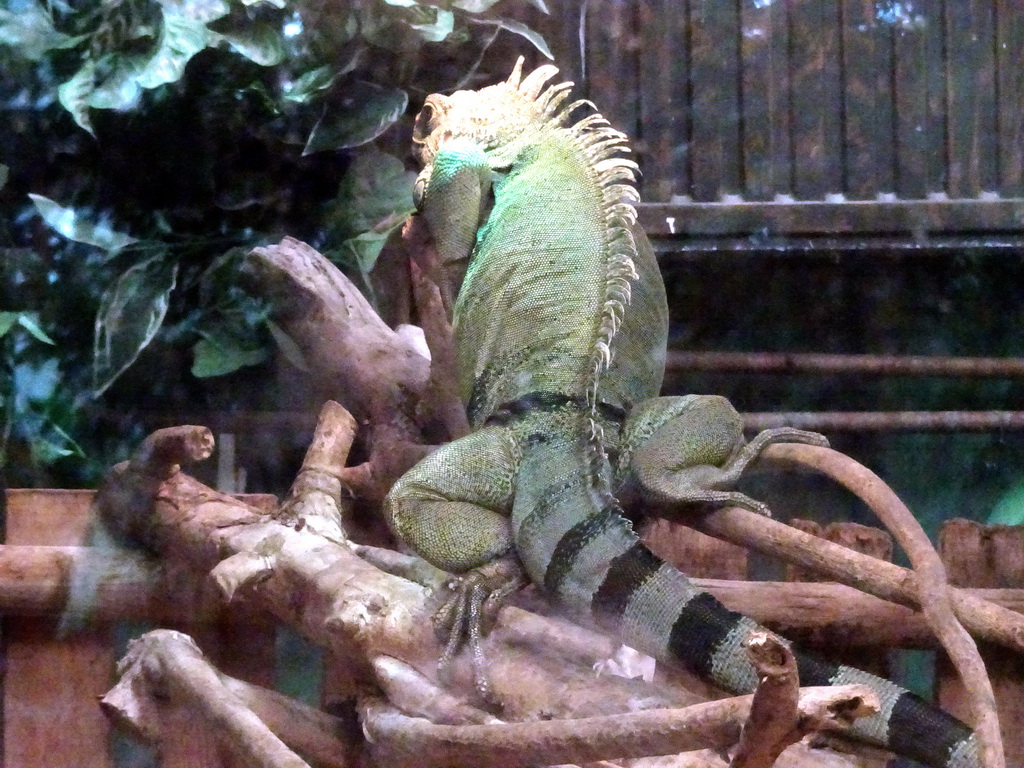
(932, 588)
(772, 725)
(308, 731)
(345, 604)
(342, 603)
(358, 360)
(168, 665)
(317, 498)
(349, 354)
(407, 741)
(122, 502)
(888, 581)
(443, 402)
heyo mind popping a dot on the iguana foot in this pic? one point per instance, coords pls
(690, 450)
(746, 455)
(469, 613)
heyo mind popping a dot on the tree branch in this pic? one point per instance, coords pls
(168, 665)
(933, 590)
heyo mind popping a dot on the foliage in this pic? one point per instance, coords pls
(147, 145)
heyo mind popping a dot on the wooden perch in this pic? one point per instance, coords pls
(317, 498)
(166, 668)
(350, 355)
(780, 716)
(983, 619)
(400, 740)
(381, 623)
(342, 603)
(359, 361)
(772, 724)
(933, 593)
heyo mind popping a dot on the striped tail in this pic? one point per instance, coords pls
(573, 540)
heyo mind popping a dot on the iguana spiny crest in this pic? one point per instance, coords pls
(507, 120)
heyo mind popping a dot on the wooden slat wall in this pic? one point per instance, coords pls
(770, 99)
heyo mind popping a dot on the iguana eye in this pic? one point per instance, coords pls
(418, 190)
(424, 123)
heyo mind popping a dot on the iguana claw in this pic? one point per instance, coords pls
(469, 612)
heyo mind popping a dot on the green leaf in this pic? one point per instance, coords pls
(129, 316)
(203, 11)
(7, 321)
(120, 89)
(74, 94)
(375, 191)
(260, 42)
(27, 321)
(435, 26)
(30, 33)
(70, 224)
(474, 6)
(219, 353)
(310, 84)
(181, 38)
(29, 324)
(47, 449)
(289, 348)
(358, 116)
(364, 249)
(520, 29)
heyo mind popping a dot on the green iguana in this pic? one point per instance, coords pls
(560, 330)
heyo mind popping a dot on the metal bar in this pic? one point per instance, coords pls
(677, 248)
(857, 217)
(831, 364)
(894, 421)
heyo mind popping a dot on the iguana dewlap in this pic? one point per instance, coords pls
(560, 327)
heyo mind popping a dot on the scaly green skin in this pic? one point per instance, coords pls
(560, 328)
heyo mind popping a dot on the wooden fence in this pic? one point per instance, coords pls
(50, 714)
(767, 102)
(807, 98)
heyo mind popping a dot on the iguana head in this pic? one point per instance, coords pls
(499, 117)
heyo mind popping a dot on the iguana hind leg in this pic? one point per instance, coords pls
(452, 509)
(691, 449)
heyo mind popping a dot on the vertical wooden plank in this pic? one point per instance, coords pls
(51, 719)
(978, 555)
(816, 98)
(664, 77)
(611, 62)
(767, 139)
(970, 94)
(868, 128)
(920, 94)
(716, 151)
(1010, 84)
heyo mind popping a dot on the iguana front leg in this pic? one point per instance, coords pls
(691, 449)
(453, 193)
(452, 509)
